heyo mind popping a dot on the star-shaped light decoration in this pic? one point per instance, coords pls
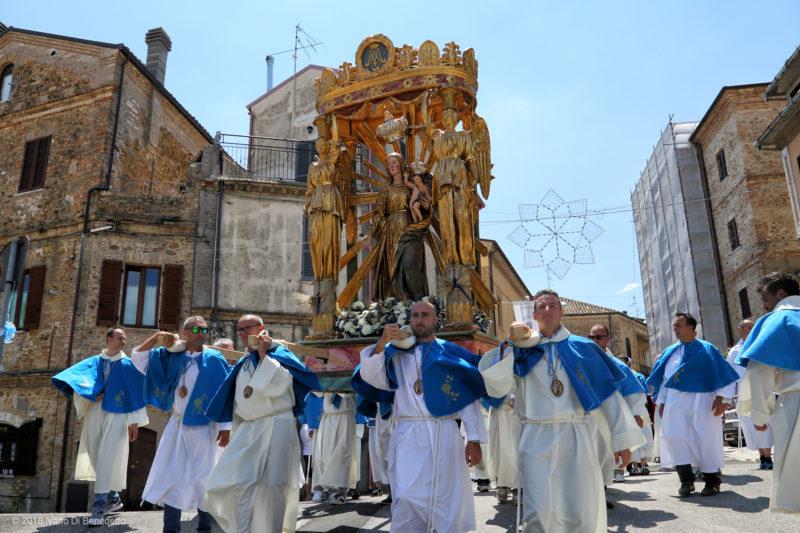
(556, 234)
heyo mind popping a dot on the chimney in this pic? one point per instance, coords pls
(270, 62)
(158, 46)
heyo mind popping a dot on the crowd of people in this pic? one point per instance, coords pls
(550, 418)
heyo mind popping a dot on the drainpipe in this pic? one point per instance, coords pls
(215, 262)
(106, 185)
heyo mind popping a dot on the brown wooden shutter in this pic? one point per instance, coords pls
(172, 283)
(42, 153)
(33, 308)
(108, 300)
(27, 448)
(28, 166)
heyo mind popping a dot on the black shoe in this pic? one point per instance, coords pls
(353, 494)
(387, 500)
(713, 482)
(609, 505)
(686, 475)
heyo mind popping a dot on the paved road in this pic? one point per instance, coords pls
(641, 503)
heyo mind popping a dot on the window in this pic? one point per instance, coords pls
(744, 303)
(140, 296)
(307, 268)
(25, 307)
(34, 164)
(6, 81)
(628, 346)
(144, 291)
(304, 156)
(733, 234)
(722, 166)
(18, 448)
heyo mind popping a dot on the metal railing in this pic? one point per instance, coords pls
(265, 158)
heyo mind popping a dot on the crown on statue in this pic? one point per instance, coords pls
(418, 169)
(392, 129)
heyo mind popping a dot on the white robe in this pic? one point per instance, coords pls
(483, 470)
(254, 486)
(378, 447)
(757, 400)
(558, 445)
(103, 449)
(504, 430)
(690, 433)
(335, 443)
(186, 455)
(753, 439)
(431, 490)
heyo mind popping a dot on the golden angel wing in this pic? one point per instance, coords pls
(483, 151)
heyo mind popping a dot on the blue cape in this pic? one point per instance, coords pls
(312, 412)
(629, 385)
(163, 377)
(123, 392)
(642, 381)
(370, 409)
(303, 380)
(774, 341)
(592, 373)
(450, 378)
(702, 369)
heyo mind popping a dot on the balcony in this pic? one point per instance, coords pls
(265, 159)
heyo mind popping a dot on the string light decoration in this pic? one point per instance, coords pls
(556, 234)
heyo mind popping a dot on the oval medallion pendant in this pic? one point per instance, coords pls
(248, 390)
(183, 391)
(557, 387)
(418, 386)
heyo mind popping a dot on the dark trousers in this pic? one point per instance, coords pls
(172, 520)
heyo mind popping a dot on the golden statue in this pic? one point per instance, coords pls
(325, 212)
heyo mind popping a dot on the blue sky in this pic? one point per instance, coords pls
(575, 93)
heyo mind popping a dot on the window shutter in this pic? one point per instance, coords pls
(28, 166)
(304, 156)
(42, 153)
(108, 300)
(27, 444)
(307, 268)
(33, 310)
(172, 283)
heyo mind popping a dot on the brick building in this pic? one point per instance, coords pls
(94, 154)
(748, 202)
(628, 334)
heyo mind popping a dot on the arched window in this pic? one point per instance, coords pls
(5, 83)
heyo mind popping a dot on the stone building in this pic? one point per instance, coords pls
(783, 134)
(677, 252)
(502, 279)
(629, 336)
(749, 204)
(94, 153)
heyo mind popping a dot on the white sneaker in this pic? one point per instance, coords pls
(317, 497)
(113, 506)
(619, 476)
(336, 499)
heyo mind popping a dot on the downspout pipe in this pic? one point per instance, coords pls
(104, 186)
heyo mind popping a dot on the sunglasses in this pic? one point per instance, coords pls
(597, 337)
(198, 329)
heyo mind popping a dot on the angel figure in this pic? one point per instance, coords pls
(325, 210)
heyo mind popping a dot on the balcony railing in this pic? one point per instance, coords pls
(265, 158)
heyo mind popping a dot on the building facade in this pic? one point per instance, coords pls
(506, 285)
(749, 204)
(677, 252)
(94, 153)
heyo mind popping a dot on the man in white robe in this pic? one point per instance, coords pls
(253, 488)
(504, 428)
(772, 356)
(428, 462)
(334, 448)
(635, 399)
(691, 423)
(758, 441)
(380, 429)
(186, 454)
(561, 479)
(105, 435)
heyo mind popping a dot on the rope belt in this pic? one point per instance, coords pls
(345, 412)
(438, 420)
(554, 420)
(274, 413)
